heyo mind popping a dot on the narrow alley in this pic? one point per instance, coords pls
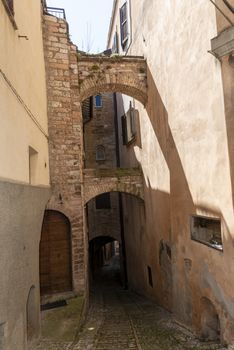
(120, 319)
(117, 175)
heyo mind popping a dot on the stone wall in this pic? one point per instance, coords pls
(65, 137)
(97, 181)
(99, 74)
(71, 78)
(100, 131)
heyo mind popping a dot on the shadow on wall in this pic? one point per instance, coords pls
(180, 197)
(228, 87)
(187, 287)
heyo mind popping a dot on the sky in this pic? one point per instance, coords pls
(88, 22)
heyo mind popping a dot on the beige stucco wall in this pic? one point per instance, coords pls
(184, 153)
(23, 116)
(22, 62)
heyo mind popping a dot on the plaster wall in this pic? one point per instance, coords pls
(184, 153)
(22, 209)
(22, 64)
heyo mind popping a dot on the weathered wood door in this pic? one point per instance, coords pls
(55, 254)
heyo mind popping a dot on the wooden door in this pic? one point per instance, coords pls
(55, 254)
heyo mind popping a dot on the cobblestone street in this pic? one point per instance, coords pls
(119, 319)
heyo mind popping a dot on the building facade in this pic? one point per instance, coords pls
(140, 151)
(24, 173)
(185, 252)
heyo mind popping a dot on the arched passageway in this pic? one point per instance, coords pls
(127, 75)
(103, 253)
(108, 225)
(55, 254)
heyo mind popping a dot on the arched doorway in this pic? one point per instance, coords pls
(210, 323)
(32, 314)
(55, 254)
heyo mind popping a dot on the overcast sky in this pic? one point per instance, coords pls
(88, 22)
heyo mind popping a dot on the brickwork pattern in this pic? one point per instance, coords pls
(65, 136)
(127, 75)
(70, 79)
(112, 180)
(100, 131)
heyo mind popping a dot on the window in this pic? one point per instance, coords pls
(124, 25)
(115, 46)
(150, 278)
(98, 101)
(100, 153)
(33, 158)
(103, 201)
(207, 231)
(87, 109)
(128, 125)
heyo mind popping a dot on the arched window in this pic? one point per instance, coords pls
(98, 101)
(100, 153)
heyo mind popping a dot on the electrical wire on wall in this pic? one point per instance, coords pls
(34, 119)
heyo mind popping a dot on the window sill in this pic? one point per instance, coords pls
(218, 247)
(223, 44)
(10, 15)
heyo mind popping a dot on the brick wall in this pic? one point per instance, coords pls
(65, 137)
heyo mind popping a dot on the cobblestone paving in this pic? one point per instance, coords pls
(120, 319)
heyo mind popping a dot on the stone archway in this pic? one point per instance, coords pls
(127, 75)
(98, 181)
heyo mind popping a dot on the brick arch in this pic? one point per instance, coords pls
(67, 212)
(92, 193)
(105, 74)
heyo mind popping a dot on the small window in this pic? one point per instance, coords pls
(98, 101)
(87, 109)
(150, 278)
(100, 153)
(103, 201)
(115, 46)
(128, 125)
(124, 25)
(207, 231)
(33, 158)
